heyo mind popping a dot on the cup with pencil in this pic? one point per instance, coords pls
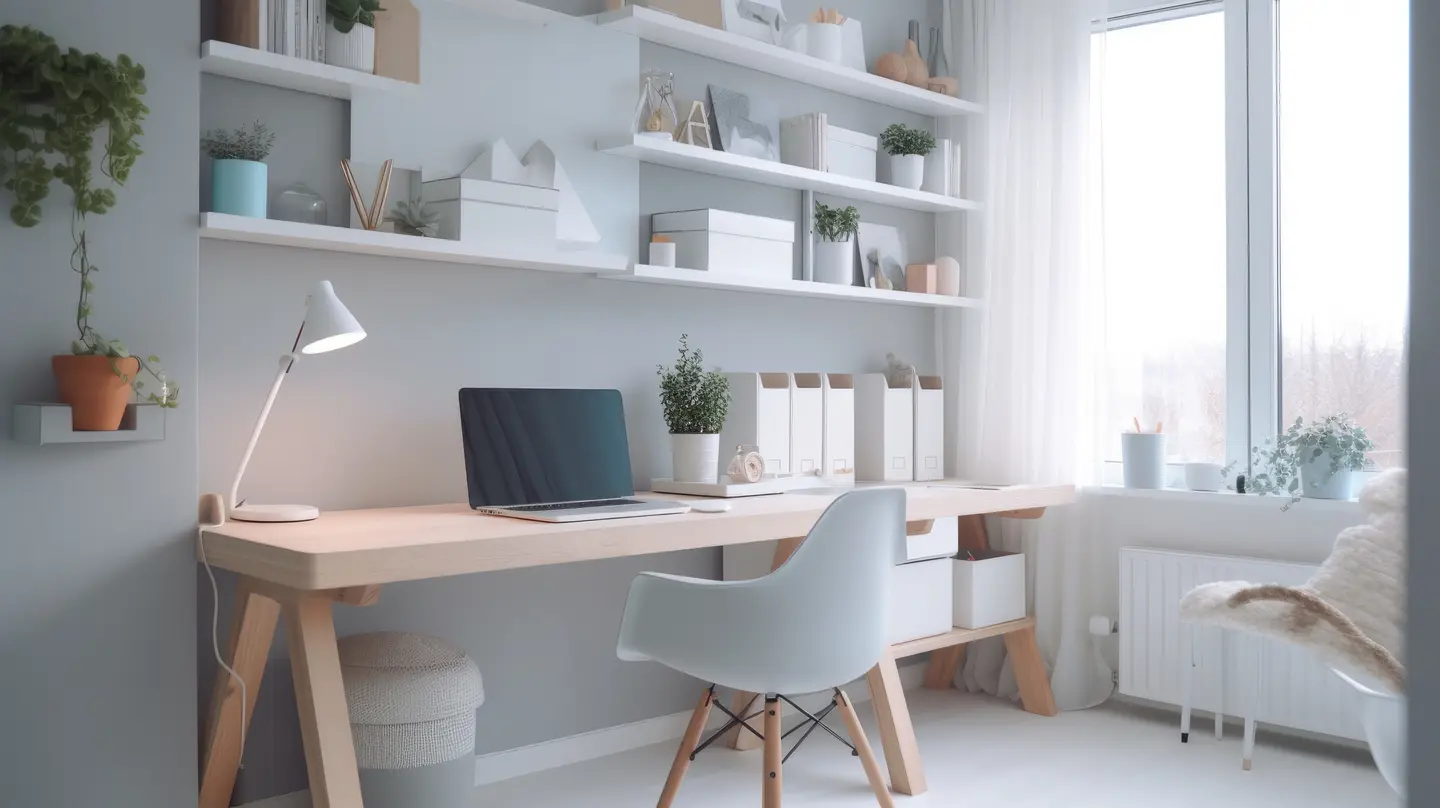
(1143, 453)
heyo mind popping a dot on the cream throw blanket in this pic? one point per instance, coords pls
(1352, 613)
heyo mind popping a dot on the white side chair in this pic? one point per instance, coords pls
(814, 624)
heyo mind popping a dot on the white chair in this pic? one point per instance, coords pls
(817, 622)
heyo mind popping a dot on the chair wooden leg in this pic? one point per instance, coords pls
(687, 747)
(867, 755)
(774, 752)
(944, 664)
(1030, 675)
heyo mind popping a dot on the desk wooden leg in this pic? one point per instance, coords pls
(1030, 675)
(944, 664)
(897, 734)
(252, 629)
(320, 695)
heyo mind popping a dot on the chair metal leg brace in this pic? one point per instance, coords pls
(820, 723)
(809, 724)
(734, 721)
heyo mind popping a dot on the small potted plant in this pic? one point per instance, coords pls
(350, 36)
(835, 248)
(56, 105)
(1316, 460)
(414, 218)
(238, 175)
(695, 404)
(907, 148)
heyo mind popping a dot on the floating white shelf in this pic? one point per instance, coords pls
(724, 164)
(226, 227)
(643, 273)
(516, 11)
(681, 34)
(39, 424)
(239, 62)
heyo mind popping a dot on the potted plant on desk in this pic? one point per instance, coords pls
(907, 148)
(695, 404)
(835, 247)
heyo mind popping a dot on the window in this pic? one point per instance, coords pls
(1254, 209)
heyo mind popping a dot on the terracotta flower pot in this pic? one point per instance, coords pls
(96, 394)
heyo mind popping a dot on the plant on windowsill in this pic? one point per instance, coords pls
(53, 103)
(239, 178)
(695, 404)
(350, 36)
(835, 249)
(907, 148)
(1316, 460)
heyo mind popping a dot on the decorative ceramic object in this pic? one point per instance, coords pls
(299, 203)
(695, 130)
(921, 278)
(355, 50)
(834, 262)
(883, 256)
(907, 171)
(891, 66)
(938, 64)
(747, 466)
(238, 187)
(372, 215)
(947, 276)
(497, 163)
(916, 71)
(574, 227)
(655, 114)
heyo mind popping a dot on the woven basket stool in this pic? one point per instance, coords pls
(412, 702)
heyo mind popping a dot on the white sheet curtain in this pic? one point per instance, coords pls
(1019, 408)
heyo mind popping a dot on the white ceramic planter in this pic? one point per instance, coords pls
(825, 41)
(907, 170)
(834, 262)
(355, 50)
(1204, 476)
(1317, 482)
(696, 458)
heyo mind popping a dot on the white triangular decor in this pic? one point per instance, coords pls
(497, 163)
(574, 227)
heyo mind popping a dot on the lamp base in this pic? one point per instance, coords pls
(274, 513)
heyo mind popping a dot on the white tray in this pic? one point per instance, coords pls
(728, 489)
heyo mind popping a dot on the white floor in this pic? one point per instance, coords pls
(984, 752)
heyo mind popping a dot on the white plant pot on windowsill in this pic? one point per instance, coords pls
(696, 458)
(1316, 481)
(907, 170)
(355, 50)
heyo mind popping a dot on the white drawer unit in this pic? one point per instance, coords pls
(729, 243)
(759, 416)
(884, 430)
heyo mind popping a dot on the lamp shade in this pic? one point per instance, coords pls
(328, 324)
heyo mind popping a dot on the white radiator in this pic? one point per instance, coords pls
(1294, 688)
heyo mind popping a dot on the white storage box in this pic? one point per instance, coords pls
(884, 430)
(807, 423)
(920, 597)
(851, 154)
(730, 243)
(839, 404)
(759, 416)
(941, 540)
(487, 212)
(990, 589)
(929, 428)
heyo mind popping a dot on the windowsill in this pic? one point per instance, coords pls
(1223, 498)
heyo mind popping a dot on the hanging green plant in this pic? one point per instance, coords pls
(53, 104)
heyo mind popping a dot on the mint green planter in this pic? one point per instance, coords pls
(238, 187)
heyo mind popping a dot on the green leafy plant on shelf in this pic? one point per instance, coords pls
(836, 224)
(695, 401)
(251, 143)
(414, 218)
(899, 139)
(53, 104)
(1276, 465)
(345, 14)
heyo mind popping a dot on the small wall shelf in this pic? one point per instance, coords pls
(226, 227)
(262, 67)
(40, 424)
(642, 273)
(736, 166)
(515, 11)
(681, 34)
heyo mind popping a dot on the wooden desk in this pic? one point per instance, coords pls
(299, 571)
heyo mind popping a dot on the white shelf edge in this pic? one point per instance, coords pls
(671, 276)
(227, 227)
(515, 11)
(682, 34)
(277, 70)
(45, 423)
(659, 151)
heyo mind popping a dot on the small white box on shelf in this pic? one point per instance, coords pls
(730, 243)
(990, 589)
(759, 416)
(920, 600)
(807, 423)
(489, 212)
(810, 141)
(884, 430)
(851, 154)
(941, 539)
(929, 428)
(838, 458)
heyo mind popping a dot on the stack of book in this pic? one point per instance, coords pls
(293, 28)
(804, 141)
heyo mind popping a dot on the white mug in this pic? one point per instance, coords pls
(1204, 477)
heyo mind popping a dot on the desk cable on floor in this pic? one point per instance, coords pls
(215, 644)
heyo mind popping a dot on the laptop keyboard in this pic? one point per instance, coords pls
(566, 506)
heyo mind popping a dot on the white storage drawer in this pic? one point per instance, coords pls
(920, 600)
(990, 589)
(729, 243)
(942, 540)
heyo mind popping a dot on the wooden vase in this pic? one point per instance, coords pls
(94, 389)
(917, 72)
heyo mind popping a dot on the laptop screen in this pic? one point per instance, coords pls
(525, 447)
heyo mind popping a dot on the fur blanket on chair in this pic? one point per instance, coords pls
(1352, 613)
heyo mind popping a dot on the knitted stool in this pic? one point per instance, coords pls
(412, 701)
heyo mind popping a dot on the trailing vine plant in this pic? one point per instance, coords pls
(53, 103)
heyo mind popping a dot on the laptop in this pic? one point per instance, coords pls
(551, 456)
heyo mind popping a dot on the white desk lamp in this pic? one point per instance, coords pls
(328, 326)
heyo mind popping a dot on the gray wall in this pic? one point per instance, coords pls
(377, 424)
(97, 606)
(1424, 450)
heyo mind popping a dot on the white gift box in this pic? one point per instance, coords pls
(489, 212)
(838, 457)
(929, 428)
(884, 430)
(989, 589)
(851, 154)
(759, 416)
(730, 243)
(920, 598)
(807, 423)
